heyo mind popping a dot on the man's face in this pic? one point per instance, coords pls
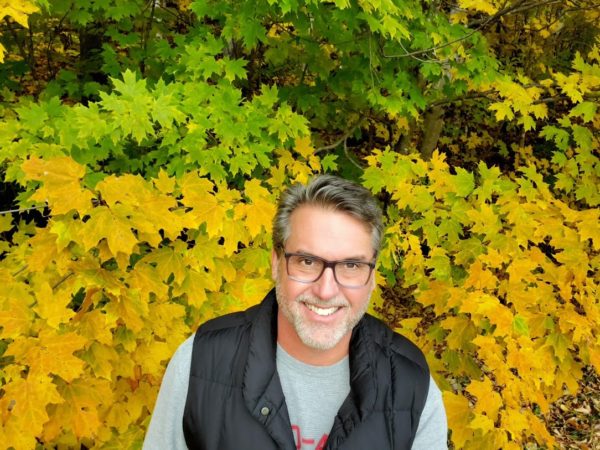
(322, 314)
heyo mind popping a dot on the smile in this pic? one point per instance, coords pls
(322, 311)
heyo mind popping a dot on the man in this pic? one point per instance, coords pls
(307, 368)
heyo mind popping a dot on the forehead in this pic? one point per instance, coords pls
(328, 233)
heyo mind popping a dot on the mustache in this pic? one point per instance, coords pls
(336, 302)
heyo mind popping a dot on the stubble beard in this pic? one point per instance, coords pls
(316, 335)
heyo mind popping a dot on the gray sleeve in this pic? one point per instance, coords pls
(432, 433)
(166, 426)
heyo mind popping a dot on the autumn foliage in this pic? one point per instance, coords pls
(141, 174)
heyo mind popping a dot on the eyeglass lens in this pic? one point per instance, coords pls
(309, 269)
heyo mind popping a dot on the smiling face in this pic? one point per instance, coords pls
(315, 320)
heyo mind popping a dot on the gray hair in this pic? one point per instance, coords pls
(329, 192)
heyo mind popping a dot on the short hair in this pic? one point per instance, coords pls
(329, 192)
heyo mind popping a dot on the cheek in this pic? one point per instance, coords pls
(359, 300)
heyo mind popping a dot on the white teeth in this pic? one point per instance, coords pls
(321, 311)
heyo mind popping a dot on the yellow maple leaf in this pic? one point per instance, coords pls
(95, 326)
(459, 416)
(43, 250)
(16, 317)
(489, 401)
(139, 400)
(478, 303)
(150, 356)
(145, 278)
(462, 331)
(485, 220)
(104, 224)
(538, 428)
(491, 352)
(257, 215)
(148, 210)
(234, 232)
(436, 294)
(254, 290)
(61, 178)
(278, 176)
(480, 277)
(52, 307)
(194, 285)
(205, 252)
(169, 261)
(588, 227)
(304, 147)
(164, 183)
(5, 222)
(570, 85)
(27, 400)
(481, 422)
(50, 353)
(19, 11)
(100, 358)
(163, 316)
(125, 189)
(80, 411)
(208, 210)
(129, 308)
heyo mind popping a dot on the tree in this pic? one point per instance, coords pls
(144, 143)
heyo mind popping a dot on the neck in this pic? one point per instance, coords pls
(293, 345)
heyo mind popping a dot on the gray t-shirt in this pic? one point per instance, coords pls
(313, 396)
(166, 431)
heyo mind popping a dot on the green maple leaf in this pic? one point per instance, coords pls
(242, 163)
(288, 124)
(268, 96)
(583, 137)
(559, 158)
(130, 87)
(252, 32)
(558, 135)
(210, 66)
(564, 182)
(464, 182)
(587, 192)
(32, 116)
(234, 68)
(585, 110)
(520, 325)
(328, 163)
(373, 180)
(165, 112)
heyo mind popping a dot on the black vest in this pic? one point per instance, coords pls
(235, 400)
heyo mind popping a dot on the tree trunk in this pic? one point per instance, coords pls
(433, 123)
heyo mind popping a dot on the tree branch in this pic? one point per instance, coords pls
(341, 140)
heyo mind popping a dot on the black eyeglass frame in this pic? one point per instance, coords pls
(327, 264)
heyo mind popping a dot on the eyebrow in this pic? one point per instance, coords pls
(360, 258)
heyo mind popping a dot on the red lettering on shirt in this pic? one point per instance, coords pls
(307, 443)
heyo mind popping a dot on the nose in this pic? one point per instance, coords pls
(326, 287)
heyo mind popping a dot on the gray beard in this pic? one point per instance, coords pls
(316, 336)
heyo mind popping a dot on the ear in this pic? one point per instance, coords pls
(274, 264)
(373, 283)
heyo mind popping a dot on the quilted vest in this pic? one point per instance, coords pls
(235, 400)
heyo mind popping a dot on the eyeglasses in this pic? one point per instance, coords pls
(347, 273)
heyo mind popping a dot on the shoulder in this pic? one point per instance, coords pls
(227, 321)
(221, 332)
(240, 319)
(393, 345)
(222, 343)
